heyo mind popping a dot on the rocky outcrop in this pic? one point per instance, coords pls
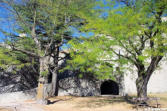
(24, 79)
(71, 84)
(78, 87)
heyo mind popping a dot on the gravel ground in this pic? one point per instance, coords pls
(21, 106)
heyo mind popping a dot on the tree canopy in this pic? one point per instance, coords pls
(131, 33)
(42, 28)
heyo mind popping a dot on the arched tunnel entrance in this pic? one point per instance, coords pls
(109, 88)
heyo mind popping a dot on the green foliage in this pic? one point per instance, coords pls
(44, 73)
(132, 34)
(130, 28)
(10, 58)
(6, 58)
(87, 57)
(51, 20)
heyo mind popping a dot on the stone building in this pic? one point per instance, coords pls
(70, 84)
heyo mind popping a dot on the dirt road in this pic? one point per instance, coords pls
(69, 103)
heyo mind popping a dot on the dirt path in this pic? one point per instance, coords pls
(21, 106)
(69, 103)
(88, 104)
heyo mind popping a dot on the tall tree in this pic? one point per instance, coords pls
(132, 33)
(44, 27)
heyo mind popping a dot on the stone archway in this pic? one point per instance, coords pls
(109, 88)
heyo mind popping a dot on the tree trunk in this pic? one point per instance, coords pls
(144, 76)
(42, 91)
(54, 72)
(141, 85)
(46, 90)
(54, 83)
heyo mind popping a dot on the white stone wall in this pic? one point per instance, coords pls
(157, 82)
(129, 81)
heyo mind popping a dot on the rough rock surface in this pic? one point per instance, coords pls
(78, 87)
(25, 79)
(71, 84)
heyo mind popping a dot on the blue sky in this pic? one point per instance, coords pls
(4, 23)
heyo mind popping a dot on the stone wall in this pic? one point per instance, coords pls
(78, 87)
(24, 79)
(70, 84)
(156, 84)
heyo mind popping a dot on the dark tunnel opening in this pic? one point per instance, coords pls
(109, 88)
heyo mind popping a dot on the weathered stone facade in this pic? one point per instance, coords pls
(25, 79)
(71, 84)
(78, 87)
